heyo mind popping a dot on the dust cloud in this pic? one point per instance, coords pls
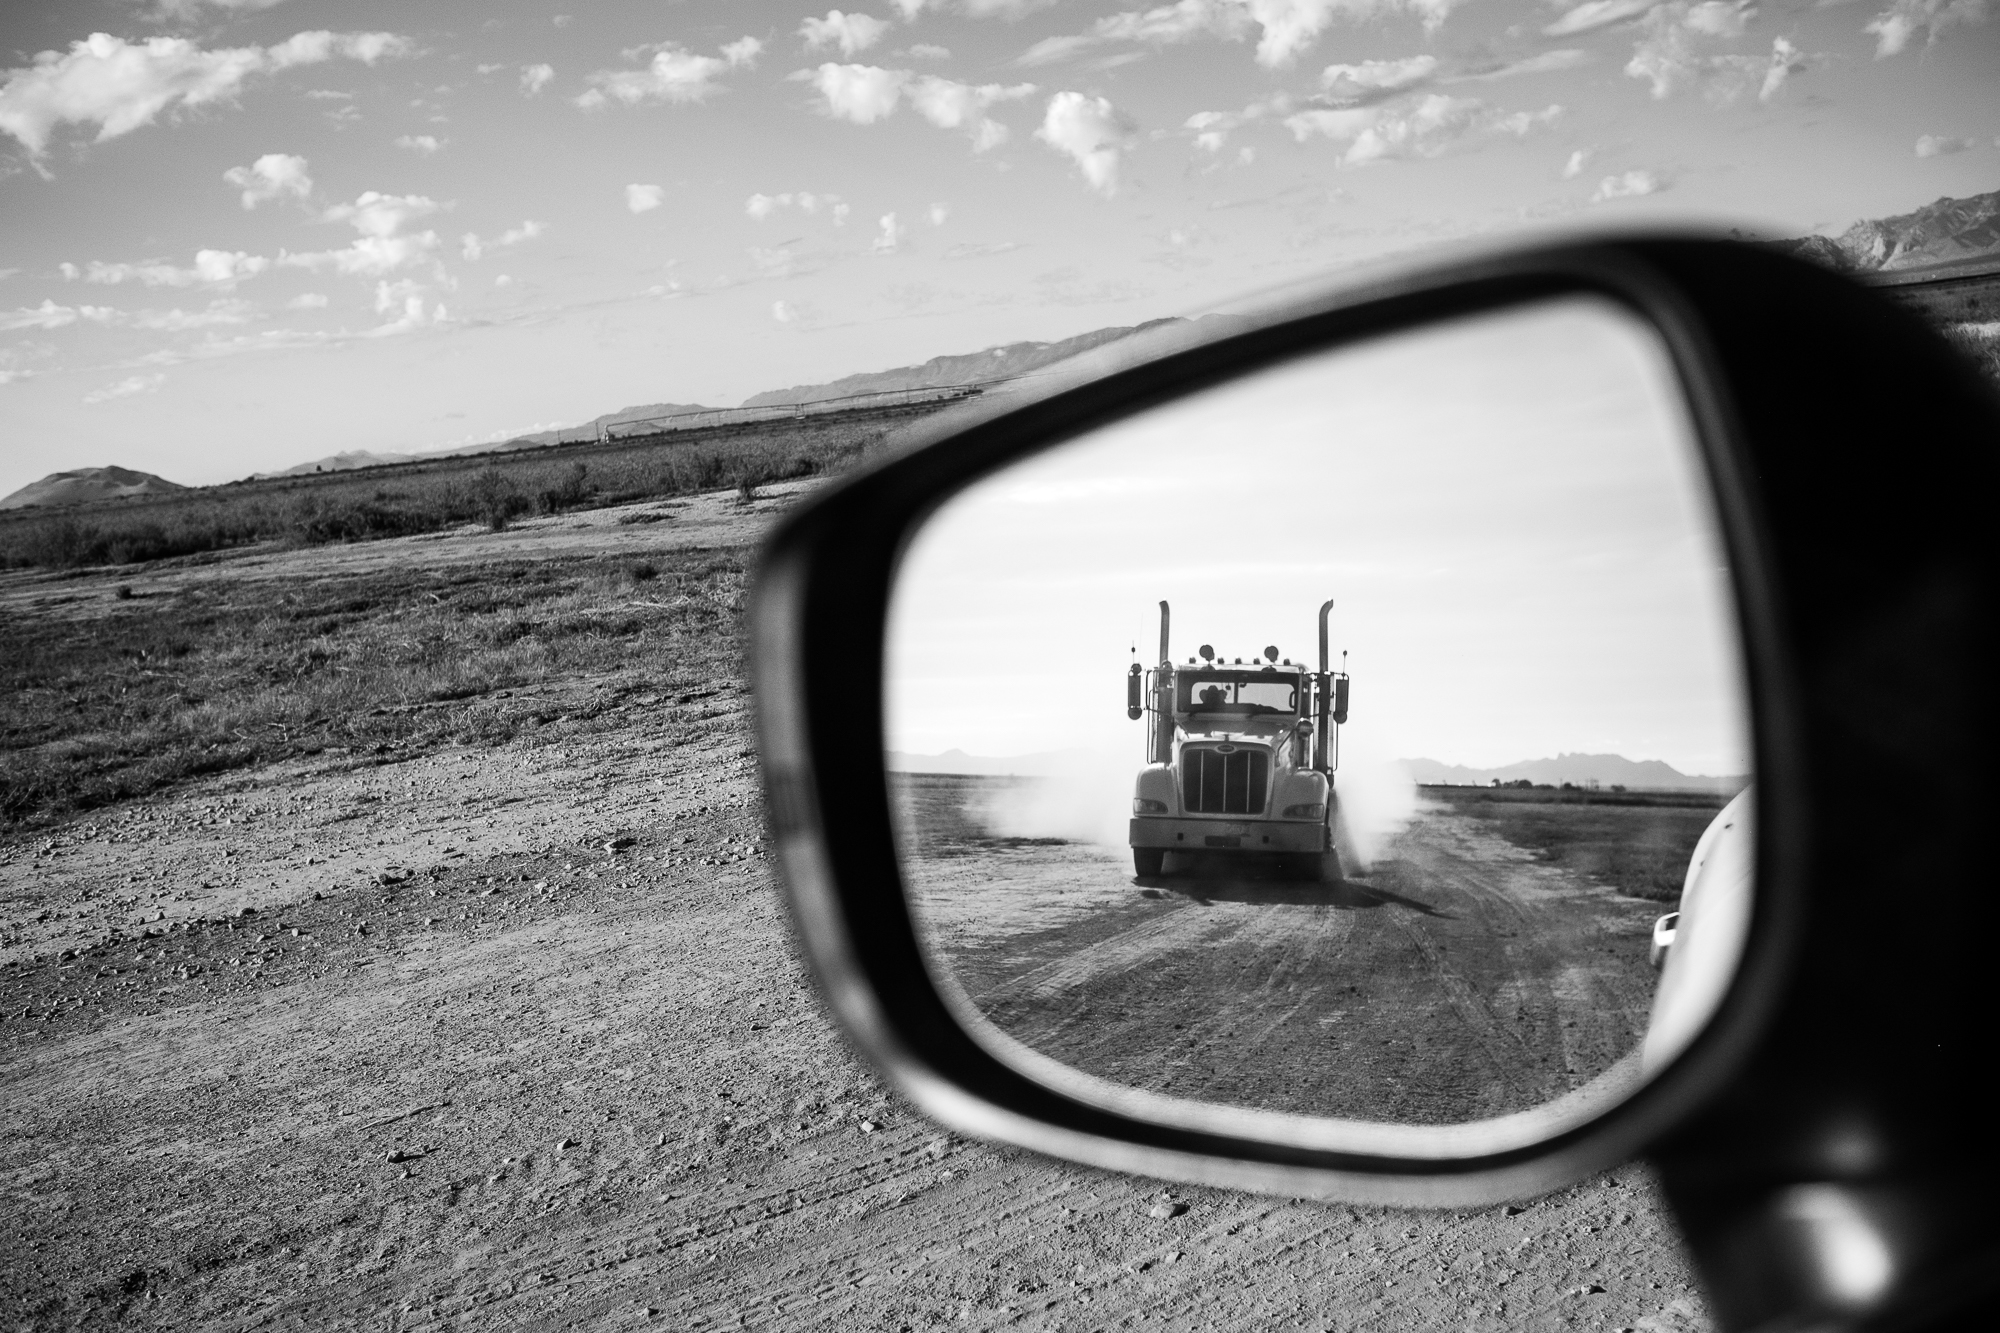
(1086, 796)
(1076, 795)
(1378, 799)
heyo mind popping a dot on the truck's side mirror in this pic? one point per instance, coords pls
(1340, 701)
(1134, 683)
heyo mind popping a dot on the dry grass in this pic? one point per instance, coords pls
(104, 708)
(1636, 843)
(408, 498)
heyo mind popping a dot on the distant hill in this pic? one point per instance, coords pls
(1607, 770)
(343, 462)
(970, 368)
(1947, 234)
(88, 483)
(958, 761)
(587, 432)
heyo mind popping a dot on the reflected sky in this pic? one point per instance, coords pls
(1507, 511)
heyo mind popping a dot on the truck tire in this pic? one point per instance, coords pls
(1149, 861)
(1329, 867)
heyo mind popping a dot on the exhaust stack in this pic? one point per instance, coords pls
(1323, 694)
(1165, 617)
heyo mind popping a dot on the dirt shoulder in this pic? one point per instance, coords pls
(514, 1070)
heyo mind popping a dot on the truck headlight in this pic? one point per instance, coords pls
(1142, 806)
(1315, 811)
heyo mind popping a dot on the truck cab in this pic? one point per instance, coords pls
(1240, 759)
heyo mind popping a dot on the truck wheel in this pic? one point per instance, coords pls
(1329, 867)
(1149, 861)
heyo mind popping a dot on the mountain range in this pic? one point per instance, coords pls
(994, 363)
(1583, 770)
(1947, 235)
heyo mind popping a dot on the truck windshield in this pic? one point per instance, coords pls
(1242, 693)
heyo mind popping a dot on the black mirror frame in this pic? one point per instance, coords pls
(1784, 366)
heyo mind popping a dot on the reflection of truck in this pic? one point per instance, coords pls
(1240, 758)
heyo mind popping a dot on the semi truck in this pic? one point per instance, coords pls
(1240, 759)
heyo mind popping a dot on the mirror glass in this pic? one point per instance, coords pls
(1334, 740)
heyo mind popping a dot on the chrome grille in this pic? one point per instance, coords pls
(1225, 782)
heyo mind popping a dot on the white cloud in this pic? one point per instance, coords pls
(49, 315)
(782, 312)
(307, 301)
(271, 176)
(762, 206)
(503, 280)
(472, 247)
(177, 320)
(1290, 27)
(644, 198)
(216, 268)
(928, 51)
(1376, 76)
(1786, 60)
(1574, 167)
(125, 388)
(1545, 62)
(383, 246)
(190, 10)
(742, 53)
(1211, 129)
(534, 78)
(1904, 19)
(1285, 28)
(425, 144)
(850, 32)
(938, 213)
(951, 106)
(1670, 52)
(413, 312)
(1594, 14)
(1421, 127)
(863, 94)
(1091, 132)
(1719, 18)
(1937, 145)
(674, 75)
(1630, 185)
(840, 212)
(120, 86)
(889, 236)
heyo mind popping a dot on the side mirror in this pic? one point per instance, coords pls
(1134, 684)
(1819, 1121)
(1340, 684)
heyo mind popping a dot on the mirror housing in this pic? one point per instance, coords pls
(1836, 1092)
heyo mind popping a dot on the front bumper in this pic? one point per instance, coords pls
(1229, 835)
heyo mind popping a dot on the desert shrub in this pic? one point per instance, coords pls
(496, 499)
(1979, 343)
(573, 490)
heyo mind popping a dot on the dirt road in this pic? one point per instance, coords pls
(421, 1041)
(1461, 978)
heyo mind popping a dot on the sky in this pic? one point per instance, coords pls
(1523, 566)
(241, 234)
